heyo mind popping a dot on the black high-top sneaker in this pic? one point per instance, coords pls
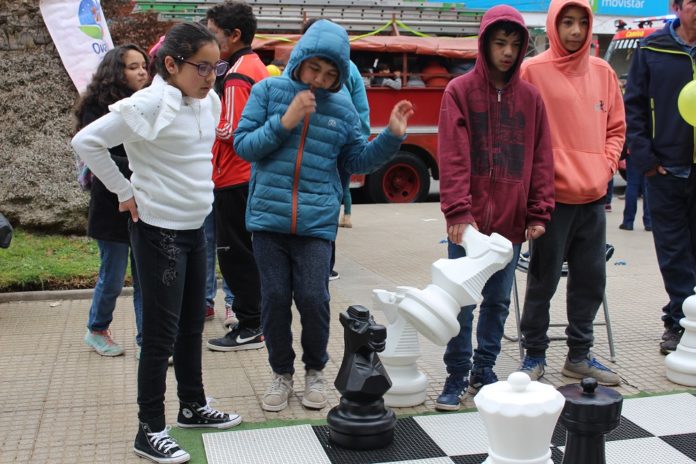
(193, 415)
(158, 446)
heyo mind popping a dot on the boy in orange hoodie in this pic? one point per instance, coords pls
(586, 114)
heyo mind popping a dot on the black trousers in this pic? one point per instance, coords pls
(576, 233)
(673, 213)
(236, 255)
(172, 272)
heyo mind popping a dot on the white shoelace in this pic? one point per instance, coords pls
(316, 382)
(207, 411)
(162, 441)
(277, 387)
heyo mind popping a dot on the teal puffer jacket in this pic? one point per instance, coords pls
(295, 185)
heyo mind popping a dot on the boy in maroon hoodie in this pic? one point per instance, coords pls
(496, 174)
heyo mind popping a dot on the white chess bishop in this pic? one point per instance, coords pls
(433, 311)
(519, 416)
(681, 364)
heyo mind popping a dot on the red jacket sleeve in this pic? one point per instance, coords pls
(541, 198)
(235, 95)
(454, 161)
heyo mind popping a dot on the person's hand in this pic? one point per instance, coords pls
(535, 232)
(455, 232)
(303, 104)
(130, 207)
(398, 121)
(656, 170)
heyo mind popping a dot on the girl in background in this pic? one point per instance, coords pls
(123, 70)
(168, 130)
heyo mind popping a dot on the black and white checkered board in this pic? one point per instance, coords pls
(653, 430)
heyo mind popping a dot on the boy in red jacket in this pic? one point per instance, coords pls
(496, 169)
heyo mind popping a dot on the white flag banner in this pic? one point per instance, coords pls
(79, 31)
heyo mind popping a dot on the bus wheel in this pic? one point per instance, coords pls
(404, 179)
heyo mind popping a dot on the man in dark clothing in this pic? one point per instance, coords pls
(661, 144)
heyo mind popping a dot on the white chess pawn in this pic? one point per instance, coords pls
(681, 364)
(519, 416)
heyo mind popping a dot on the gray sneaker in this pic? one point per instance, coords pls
(276, 397)
(533, 367)
(671, 338)
(590, 367)
(315, 390)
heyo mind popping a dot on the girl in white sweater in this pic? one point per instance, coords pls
(168, 131)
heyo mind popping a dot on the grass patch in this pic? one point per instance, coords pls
(48, 262)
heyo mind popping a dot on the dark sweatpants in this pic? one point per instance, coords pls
(236, 255)
(673, 213)
(578, 234)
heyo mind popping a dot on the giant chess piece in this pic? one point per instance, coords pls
(402, 350)
(433, 311)
(519, 416)
(590, 412)
(681, 364)
(361, 421)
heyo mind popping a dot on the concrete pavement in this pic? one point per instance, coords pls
(64, 403)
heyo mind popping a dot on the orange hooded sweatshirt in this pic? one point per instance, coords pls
(585, 109)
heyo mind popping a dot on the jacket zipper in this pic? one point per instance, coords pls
(693, 76)
(491, 178)
(296, 179)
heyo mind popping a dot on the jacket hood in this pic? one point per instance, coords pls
(495, 15)
(579, 60)
(324, 39)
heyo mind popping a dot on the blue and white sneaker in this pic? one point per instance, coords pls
(451, 396)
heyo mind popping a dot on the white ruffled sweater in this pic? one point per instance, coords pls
(168, 138)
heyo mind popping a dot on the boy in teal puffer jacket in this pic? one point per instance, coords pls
(298, 130)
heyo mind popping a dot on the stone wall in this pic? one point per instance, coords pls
(38, 189)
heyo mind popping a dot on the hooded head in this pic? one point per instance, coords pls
(508, 22)
(327, 41)
(569, 28)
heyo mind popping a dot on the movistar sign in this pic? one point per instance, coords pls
(638, 8)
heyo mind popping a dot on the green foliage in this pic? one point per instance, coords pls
(48, 262)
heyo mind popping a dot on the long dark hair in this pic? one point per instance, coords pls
(108, 84)
(182, 42)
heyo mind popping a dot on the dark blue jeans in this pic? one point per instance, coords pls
(171, 270)
(635, 184)
(292, 266)
(493, 312)
(673, 211)
(576, 233)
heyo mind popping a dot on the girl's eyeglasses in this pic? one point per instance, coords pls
(204, 69)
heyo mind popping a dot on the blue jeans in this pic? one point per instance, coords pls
(293, 266)
(172, 279)
(211, 274)
(635, 184)
(112, 270)
(491, 320)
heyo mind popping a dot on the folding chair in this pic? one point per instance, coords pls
(523, 266)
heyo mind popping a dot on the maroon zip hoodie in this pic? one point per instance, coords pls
(494, 147)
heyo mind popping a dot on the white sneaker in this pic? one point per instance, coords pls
(315, 390)
(276, 397)
(230, 317)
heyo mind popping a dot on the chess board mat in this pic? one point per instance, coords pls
(658, 429)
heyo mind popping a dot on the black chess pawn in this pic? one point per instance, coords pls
(361, 421)
(590, 412)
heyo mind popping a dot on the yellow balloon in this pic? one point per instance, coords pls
(687, 103)
(273, 70)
